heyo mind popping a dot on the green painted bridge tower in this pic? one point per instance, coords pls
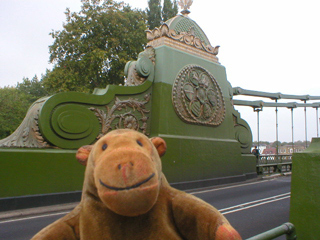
(176, 89)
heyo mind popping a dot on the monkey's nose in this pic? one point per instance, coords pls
(126, 170)
(120, 166)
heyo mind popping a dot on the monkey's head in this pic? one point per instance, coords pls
(124, 170)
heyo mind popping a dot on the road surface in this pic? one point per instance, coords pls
(251, 208)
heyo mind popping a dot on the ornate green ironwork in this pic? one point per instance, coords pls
(243, 132)
(67, 120)
(115, 118)
(197, 97)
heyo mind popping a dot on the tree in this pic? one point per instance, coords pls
(157, 14)
(13, 107)
(154, 14)
(94, 46)
(264, 143)
(15, 101)
(169, 9)
(276, 144)
(33, 88)
(175, 7)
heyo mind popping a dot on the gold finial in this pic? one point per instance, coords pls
(185, 5)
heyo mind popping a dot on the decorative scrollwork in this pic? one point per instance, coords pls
(197, 97)
(242, 132)
(188, 38)
(27, 135)
(137, 72)
(125, 118)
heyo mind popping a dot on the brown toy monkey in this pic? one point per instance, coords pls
(126, 196)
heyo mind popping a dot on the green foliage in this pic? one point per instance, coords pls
(175, 7)
(276, 144)
(154, 14)
(169, 9)
(255, 143)
(302, 143)
(13, 107)
(15, 101)
(94, 46)
(32, 88)
(157, 14)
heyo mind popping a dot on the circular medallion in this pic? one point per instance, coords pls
(197, 97)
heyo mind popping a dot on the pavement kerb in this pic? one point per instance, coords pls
(276, 175)
(23, 213)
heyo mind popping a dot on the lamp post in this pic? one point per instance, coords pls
(277, 130)
(292, 130)
(317, 113)
(305, 124)
(258, 124)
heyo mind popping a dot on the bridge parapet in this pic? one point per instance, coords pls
(274, 163)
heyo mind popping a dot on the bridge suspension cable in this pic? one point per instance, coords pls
(259, 104)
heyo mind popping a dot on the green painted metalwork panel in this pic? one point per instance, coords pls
(162, 106)
(28, 172)
(197, 151)
(305, 194)
(200, 159)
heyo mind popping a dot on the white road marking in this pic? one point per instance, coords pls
(233, 186)
(256, 203)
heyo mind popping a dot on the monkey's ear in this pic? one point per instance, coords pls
(83, 154)
(160, 145)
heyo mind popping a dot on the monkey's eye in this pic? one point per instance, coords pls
(104, 146)
(140, 143)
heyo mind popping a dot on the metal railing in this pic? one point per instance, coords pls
(287, 229)
(274, 163)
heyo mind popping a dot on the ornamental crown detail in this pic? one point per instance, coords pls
(185, 37)
(185, 5)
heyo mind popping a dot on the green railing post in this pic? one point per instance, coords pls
(286, 228)
(280, 164)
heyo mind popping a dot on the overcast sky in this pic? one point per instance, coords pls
(271, 46)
